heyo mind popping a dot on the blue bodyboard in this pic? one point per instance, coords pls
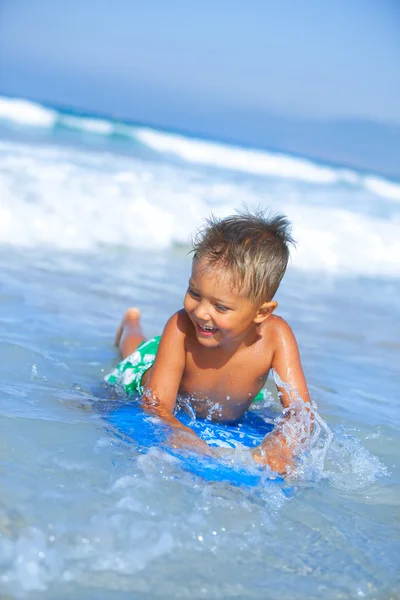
(131, 423)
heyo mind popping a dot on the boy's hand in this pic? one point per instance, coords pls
(274, 452)
(188, 440)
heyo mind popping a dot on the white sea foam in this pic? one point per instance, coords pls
(342, 242)
(382, 187)
(26, 113)
(71, 199)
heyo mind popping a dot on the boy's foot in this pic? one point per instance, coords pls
(131, 317)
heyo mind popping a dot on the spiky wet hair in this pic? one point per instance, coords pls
(252, 246)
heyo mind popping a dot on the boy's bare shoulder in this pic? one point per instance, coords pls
(178, 324)
(279, 331)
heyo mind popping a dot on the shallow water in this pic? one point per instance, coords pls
(83, 513)
(91, 225)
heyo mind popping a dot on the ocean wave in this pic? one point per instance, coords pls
(89, 125)
(73, 200)
(29, 114)
(382, 187)
(255, 162)
(195, 151)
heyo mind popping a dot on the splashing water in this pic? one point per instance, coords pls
(322, 453)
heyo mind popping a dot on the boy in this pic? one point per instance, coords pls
(220, 347)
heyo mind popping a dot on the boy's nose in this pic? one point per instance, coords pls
(201, 312)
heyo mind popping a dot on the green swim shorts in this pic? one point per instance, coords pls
(129, 372)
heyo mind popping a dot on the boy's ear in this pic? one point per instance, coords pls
(265, 310)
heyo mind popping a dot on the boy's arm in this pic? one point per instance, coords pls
(161, 390)
(286, 363)
(278, 447)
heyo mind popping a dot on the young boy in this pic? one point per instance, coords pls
(218, 350)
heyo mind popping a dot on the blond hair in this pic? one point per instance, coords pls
(253, 247)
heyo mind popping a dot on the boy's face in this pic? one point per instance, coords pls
(220, 314)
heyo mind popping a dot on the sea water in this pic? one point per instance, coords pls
(95, 216)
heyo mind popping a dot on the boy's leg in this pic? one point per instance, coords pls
(129, 334)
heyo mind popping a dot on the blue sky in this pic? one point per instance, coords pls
(264, 73)
(295, 58)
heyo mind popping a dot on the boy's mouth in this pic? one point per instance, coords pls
(205, 330)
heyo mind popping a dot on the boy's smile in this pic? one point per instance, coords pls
(206, 331)
(219, 313)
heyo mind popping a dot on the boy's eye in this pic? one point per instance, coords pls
(221, 307)
(193, 293)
